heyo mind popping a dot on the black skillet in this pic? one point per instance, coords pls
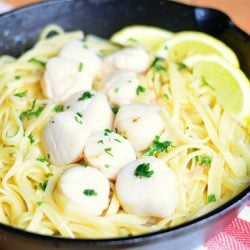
(18, 32)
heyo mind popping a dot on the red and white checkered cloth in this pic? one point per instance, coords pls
(235, 236)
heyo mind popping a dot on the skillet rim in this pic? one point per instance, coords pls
(234, 203)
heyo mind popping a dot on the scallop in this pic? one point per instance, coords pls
(64, 137)
(63, 77)
(109, 152)
(94, 108)
(121, 87)
(139, 123)
(82, 190)
(83, 53)
(147, 188)
(133, 59)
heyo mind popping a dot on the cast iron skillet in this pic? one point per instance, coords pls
(19, 30)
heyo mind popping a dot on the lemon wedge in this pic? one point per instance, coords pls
(150, 37)
(229, 83)
(189, 43)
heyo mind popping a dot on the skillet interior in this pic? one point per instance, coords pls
(19, 30)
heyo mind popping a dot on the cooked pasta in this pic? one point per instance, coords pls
(209, 152)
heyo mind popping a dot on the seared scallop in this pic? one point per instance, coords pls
(83, 190)
(63, 77)
(133, 59)
(94, 108)
(109, 152)
(121, 87)
(64, 137)
(139, 123)
(84, 54)
(147, 187)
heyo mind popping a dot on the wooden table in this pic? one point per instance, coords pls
(238, 10)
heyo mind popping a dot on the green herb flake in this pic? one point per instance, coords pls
(80, 67)
(166, 96)
(115, 110)
(143, 170)
(107, 166)
(78, 118)
(116, 90)
(17, 77)
(107, 132)
(86, 95)
(43, 185)
(90, 192)
(157, 64)
(140, 89)
(58, 108)
(100, 142)
(203, 159)
(211, 198)
(117, 140)
(108, 151)
(85, 46)
(204, 81)
(165, 47)
(31, 138)
(39, 203)
(43, 160)
(182, 66)
(158, 147)
(39, 62)
(21, 94)
(30, 112)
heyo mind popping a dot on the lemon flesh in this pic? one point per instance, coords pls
(150, 37)
(230, 85)
(189, 43)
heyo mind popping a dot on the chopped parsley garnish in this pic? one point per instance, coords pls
(166, 96)
(90, 192)
(143, 170)
(31, 138)
(156, 64)
(108, 151)
(116, 90)
(140, 89)
(165, 47)
(117, 140)
(107, 132)
(107, 166)
(204, 81)
(115, 110)
(85, 95)
(100, 142)
(41, 63)
(78, 118)
(85, 46)
(211, 198)
(158, 147)
(80, 67)
(17, 77)
(181, 66)
(43, 185)
(39, 203)
(58, 108)
(43, 160)
(21, 94)
(203, 159)
(30, 112)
